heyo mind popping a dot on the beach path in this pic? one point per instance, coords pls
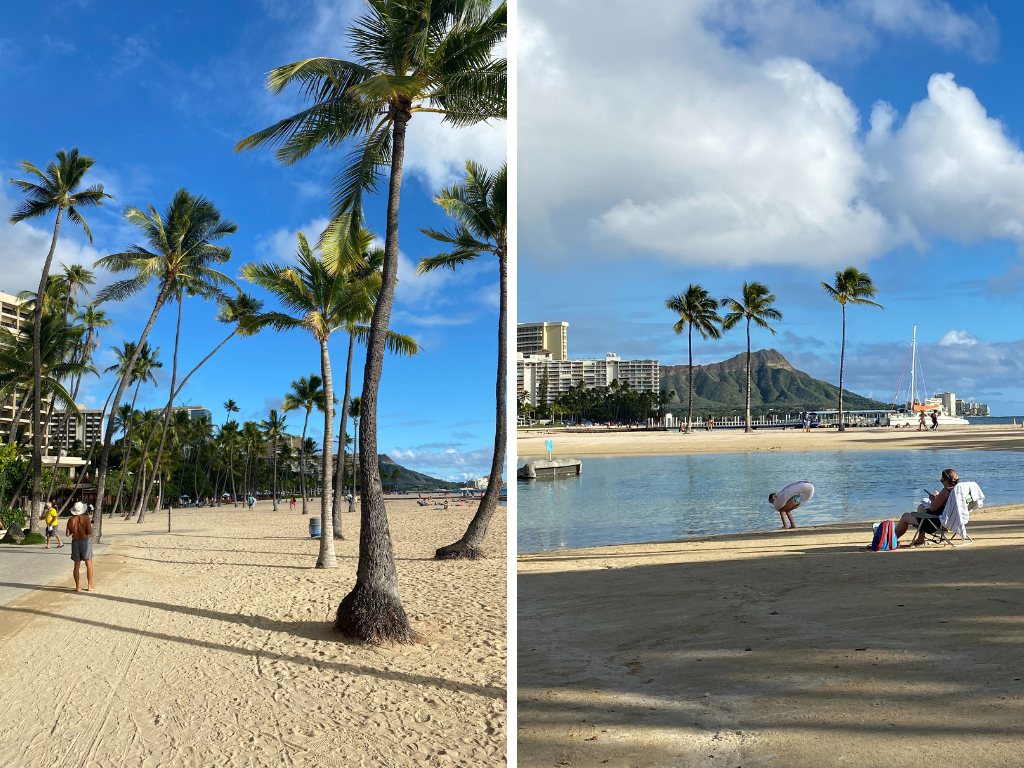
(791, 649)
(23, 569)
(212, 646)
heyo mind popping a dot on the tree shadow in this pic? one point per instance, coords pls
(828, 642)
(310, 630)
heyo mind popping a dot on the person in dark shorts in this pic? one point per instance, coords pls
(937, 502)
(80, 530)
(51, 525)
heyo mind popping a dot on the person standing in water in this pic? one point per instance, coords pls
(789, 498)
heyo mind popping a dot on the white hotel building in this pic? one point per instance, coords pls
(642, 375)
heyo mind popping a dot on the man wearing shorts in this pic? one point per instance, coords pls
(51, 526)
(80, 530)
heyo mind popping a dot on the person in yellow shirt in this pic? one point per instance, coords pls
(51, 525)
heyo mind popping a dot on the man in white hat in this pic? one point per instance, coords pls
(80, 530)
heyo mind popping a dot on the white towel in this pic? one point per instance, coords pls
(957, 512)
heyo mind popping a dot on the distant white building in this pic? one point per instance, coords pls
(642, 375)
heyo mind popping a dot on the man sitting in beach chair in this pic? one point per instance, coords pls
(944, 512)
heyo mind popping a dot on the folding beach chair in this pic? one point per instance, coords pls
(944, 535)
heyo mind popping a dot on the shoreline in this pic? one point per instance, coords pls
(600, 444)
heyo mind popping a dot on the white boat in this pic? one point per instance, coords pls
(911, 417)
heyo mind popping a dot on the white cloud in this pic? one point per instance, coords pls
(447, 457)
(958, 338)
(437, 153)
(702, 151)
(829, 31)
(420, 290)
(281, 244)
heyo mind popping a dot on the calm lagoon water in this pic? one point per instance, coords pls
(638, 499)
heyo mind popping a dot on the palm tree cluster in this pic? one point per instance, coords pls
(618, 403)
(409, 57)
(698, 311)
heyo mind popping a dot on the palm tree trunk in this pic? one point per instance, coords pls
(689, 408)
(231, 469)
(12, 433)
(842, 363)
(339, 481)
(468, 547)
(101, 472)
(167, 413)
(747, 411)
(373, 611)
(302, 463)
(327, 558)
(35, 510)
(81, 475)
(127, 443)
(274, 449)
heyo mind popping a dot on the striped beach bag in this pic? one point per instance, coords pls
(885, 537)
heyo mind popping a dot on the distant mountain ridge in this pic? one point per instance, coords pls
(718, 388)
(410, 480)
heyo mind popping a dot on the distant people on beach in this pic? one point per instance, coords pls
(920, 423)
(789, 498)
(935, 420)
(292, 504)
(79, 528)
(937, 502)
(710, 424)
(806, 419)
(252, 501)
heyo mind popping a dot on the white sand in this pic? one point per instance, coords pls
(212, 646)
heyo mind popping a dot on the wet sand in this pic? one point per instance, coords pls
(212, 646)
(795, 649)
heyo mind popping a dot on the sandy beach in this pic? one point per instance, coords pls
(212, 646)
(791, 649)
(1000, 437)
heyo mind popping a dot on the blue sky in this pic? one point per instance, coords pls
(159, 95)
(732, 140)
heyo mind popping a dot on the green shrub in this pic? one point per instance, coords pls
(8, 516)
(34, 538)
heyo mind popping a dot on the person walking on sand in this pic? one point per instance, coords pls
(292, 504)
(711, 423)
(920, 422)
(935, 419)
(51, 525)
(80, 530)
(789, 498)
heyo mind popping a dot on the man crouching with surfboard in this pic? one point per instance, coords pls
(789, 498)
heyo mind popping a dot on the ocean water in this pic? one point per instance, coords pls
(638, 499)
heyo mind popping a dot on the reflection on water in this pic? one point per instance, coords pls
(660, 498)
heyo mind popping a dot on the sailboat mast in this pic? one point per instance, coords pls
(913, 361)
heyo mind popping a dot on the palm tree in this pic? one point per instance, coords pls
(415, 56)
(147, 361)
(696, 309)
(480, 207)
(851, 286)
(755, 305)
(318, 301)
(354, 410)
(231, 438)
(230, 407)
(71, 280)
(306, 394)
(57, 189)
(273, 428)
(183, 243)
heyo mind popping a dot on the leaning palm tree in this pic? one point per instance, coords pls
(414, 56)
(183, 243)
(57, 189)
(480, 207)
(696, 309)
(851, 286)
(273, 429)
(754, 305)
(306, 394)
